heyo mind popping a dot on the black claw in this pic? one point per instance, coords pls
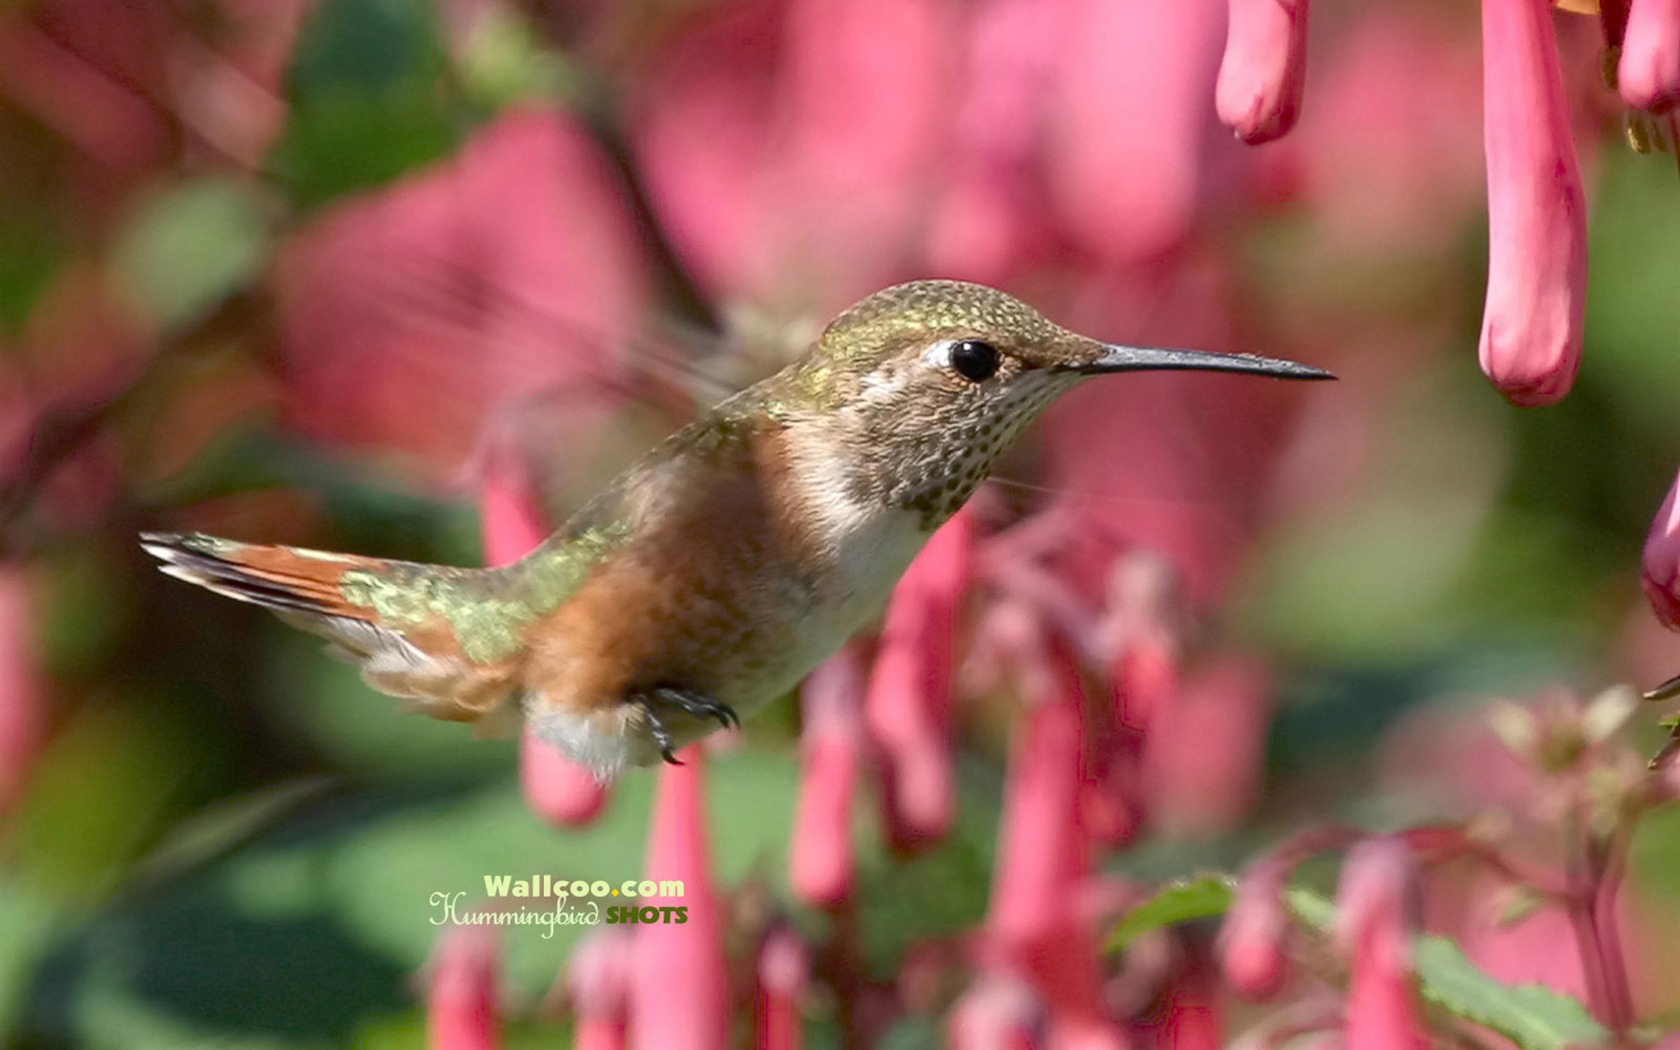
(661, 738)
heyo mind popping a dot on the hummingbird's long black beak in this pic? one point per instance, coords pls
(1117, 358)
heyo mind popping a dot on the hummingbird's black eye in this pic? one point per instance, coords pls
(974, 360)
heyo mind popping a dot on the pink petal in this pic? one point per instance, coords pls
(1537, 218)
(820, 851)
(909, 699)
(1265, 68)
(1648, 74)
(1661, 574)
(461, 997)
(679, 993)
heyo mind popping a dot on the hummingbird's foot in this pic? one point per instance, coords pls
(698, 705)
(687, 701)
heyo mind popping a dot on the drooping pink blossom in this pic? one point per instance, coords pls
(1251, 939)
(462, 990)
(1537, 220)
(997, 1013)
(1661, 574)
(407, 312)
(678, 990)
(909, 698)
(1034, 926)
(1375, 920)
(598, 984)
(21, 717)
(1648, 74)
(1265, 68)
(820, 863)
(784, 970)
(556, 788)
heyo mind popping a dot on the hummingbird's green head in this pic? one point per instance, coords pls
(925, 384)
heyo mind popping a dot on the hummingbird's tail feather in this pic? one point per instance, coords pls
(420, 659)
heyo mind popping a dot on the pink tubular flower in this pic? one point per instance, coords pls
(678, 990)
(1661, 575)
(820, 850)
(1374, 924)
(1251, 940)
(461, 994)
(1648, 74)
(20, 715)
(784, 969)
(1537, 219)
(598, 982)
(908, 705)
(557, 789)
(1264, 70)
(1035, 926)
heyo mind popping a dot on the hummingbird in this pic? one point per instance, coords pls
(717, 571)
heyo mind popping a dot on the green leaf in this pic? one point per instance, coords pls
(1198, 897)
(1530, 1015)
(369, 99)
(186, 248)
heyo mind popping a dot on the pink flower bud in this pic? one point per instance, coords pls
(678, 990)
(557, 789)
(1537, 213)
(784, 969)
(20, 693)
(1648, 74)
(1374, 924)
(461, 995)
(996, 1014)
(1251, 940)
(1661, 575)
(1265, 68)
(598, 982)
(908, 706)
(820, 853)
